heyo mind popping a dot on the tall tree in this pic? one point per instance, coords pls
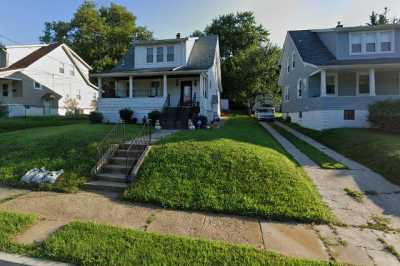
(237, 32)
(100, 35)
(376, 19)
(249, 62)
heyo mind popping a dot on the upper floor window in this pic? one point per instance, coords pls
(72, 71)
(286, 94)
(300, 88)
(170, 53)
(149, 57)
(288, 65)
(293, 61)
(371, 42)
(386, 41)
(160, 54)
(62, 68)
(37, 85)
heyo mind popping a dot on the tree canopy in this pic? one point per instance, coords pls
(237, 32)
(99, 35)
(250, 63)
(376, 19)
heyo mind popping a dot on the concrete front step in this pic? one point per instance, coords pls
(131, 154)
(119, 178)
(101, 185)
(122, 160)
(114, 169)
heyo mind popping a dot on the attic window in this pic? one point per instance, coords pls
(149, 57)
(62, 68)
(293, 61)
(37, 85)
(72, 71)
(170, 53)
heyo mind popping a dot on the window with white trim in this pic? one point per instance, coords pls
(170, 53)
(286, 94)
(160, 54)
(331, 84)
(288, 65)
(371, 42)
(293, 60)
(363, 83)
(300, 88)
(62, 68)
(37, 85)
(386, 41)
(149, 55)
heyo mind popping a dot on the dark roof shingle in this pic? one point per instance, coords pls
(311, 48)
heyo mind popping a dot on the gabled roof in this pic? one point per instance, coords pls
(311, 48)
(201, 57)
(32, 57)
(203, 53)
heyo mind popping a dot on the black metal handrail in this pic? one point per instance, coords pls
(109, 145)
(143, 138)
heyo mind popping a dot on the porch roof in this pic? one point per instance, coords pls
(150, 72)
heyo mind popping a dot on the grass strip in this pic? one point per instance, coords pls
(313, 153)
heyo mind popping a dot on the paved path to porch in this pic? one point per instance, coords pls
(354, 241)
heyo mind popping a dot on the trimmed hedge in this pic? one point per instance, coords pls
(385, 115)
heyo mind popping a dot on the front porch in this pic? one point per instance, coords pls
(356, 82)
(144, 94)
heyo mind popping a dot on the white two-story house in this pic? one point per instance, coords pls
(44, 79)
(329, 77)
(179, 72)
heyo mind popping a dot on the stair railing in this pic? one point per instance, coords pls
(143, 138)
(108, 145)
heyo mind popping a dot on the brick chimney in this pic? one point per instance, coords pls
(178, 35)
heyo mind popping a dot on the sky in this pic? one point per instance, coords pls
(23, 21)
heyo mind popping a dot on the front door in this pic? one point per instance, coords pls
(186, 93)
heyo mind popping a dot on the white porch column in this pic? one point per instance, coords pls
(323, 83)
(100, 86)
(130, 87)
(372, 91)
(165, 87)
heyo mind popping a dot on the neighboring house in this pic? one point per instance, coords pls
(180, 72)
(37, 80)
(329, 77)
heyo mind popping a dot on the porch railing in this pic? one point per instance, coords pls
(140, 141)
(109, 144)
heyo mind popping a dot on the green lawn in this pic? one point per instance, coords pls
(314, 154)
(72, 148)
(92, 244)
(375, 149)
(238, 169)
(13, 124)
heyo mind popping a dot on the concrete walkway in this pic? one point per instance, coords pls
(357, 241)
(17, 260)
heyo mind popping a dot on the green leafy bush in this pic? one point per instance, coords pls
(96, 117)
(126, 115)
(385, 115)
(154, 115)
(3, 111)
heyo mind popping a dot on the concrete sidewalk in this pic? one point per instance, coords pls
(357, 241)
(17, 260)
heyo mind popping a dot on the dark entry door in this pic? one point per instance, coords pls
(186, 93)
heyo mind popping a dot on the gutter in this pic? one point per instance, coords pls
(127, 74)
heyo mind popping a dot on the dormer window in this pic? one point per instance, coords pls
(371, 42)
(149, 57)
(356, 43)
(170, 53)
(386, 41)
(160, 54)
